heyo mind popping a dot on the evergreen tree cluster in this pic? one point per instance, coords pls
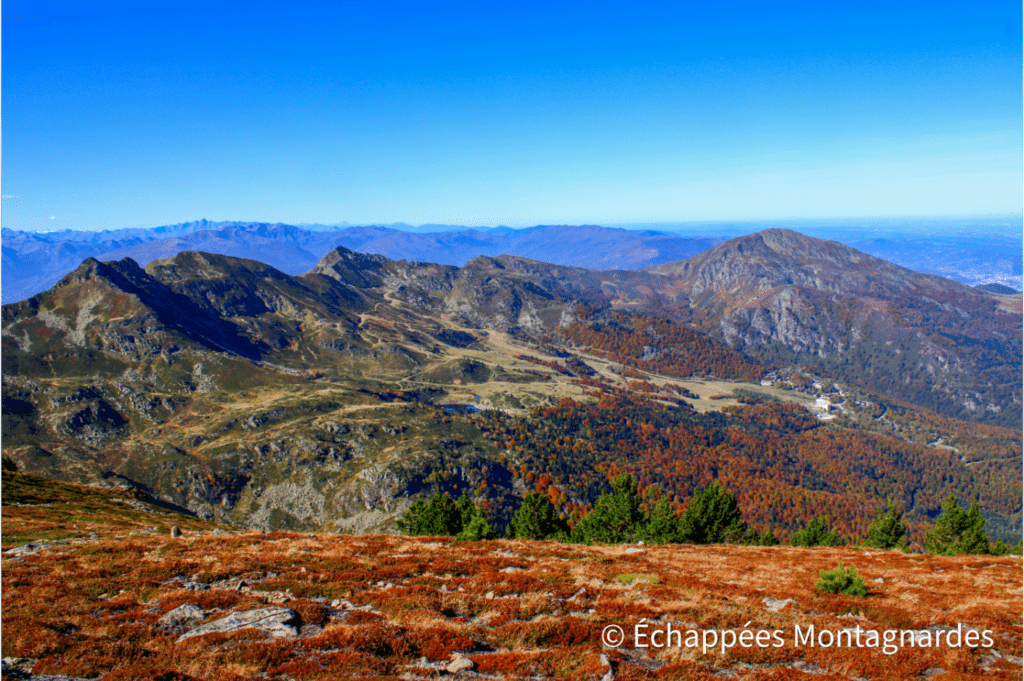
(816, 533)
(712, 516)
(441, 516)
(958, 531)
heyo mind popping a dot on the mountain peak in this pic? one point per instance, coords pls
(348, 267)
(781, 257)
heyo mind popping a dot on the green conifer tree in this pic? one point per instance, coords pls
(437, 517)
(535, 519)
(974, 540)
(887, 530)
(958, 531)
(662, 527)
(949, 526)
(615, 518)
(816, 533)
(711, 517)
(476, 527)
(465, 510)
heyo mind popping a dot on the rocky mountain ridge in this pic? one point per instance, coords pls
(322, 400)
(34, 261)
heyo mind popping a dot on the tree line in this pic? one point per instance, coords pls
(711, 516)
(784, 466)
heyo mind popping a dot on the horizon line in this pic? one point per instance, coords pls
(621, 224)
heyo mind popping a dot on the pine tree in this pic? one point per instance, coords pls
(465, 510)
(842, 580)
(476, 527)
(816, 533)
(436, 517)
(958, 531)
(887, 530)
(441, 516)
(948, 528)
(535, 519)
(711, 517)
(974, 540)
(663, 525)
(615, 518)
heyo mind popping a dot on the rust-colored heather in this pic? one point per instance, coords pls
(336, 665)
(136, 672)
(312, 613)
(91, 658)
(438, 643)
(92, 610)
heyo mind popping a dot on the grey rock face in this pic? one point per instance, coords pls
(278, 622)
(183, 614)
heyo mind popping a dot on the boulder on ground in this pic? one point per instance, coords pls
(460, 663)
(278, 622)
(183, 614)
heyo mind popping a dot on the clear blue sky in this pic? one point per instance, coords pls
(147, 113)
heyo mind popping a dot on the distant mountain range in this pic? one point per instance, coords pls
(34, 261)
(778, 296)
(334, 397)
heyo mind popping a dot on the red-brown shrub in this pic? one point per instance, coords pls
(438, 643)
(312, 613)
(137, 672)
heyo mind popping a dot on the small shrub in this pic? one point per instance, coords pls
(846, 581)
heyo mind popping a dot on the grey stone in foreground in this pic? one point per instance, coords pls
(278, 622)
(183, 614)
(27, 549)
(459, 663)
(776, 604)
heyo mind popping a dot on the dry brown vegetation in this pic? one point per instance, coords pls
(384, 606)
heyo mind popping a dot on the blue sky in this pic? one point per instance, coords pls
(140, 114)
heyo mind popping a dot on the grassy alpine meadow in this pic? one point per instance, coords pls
(100, 588)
